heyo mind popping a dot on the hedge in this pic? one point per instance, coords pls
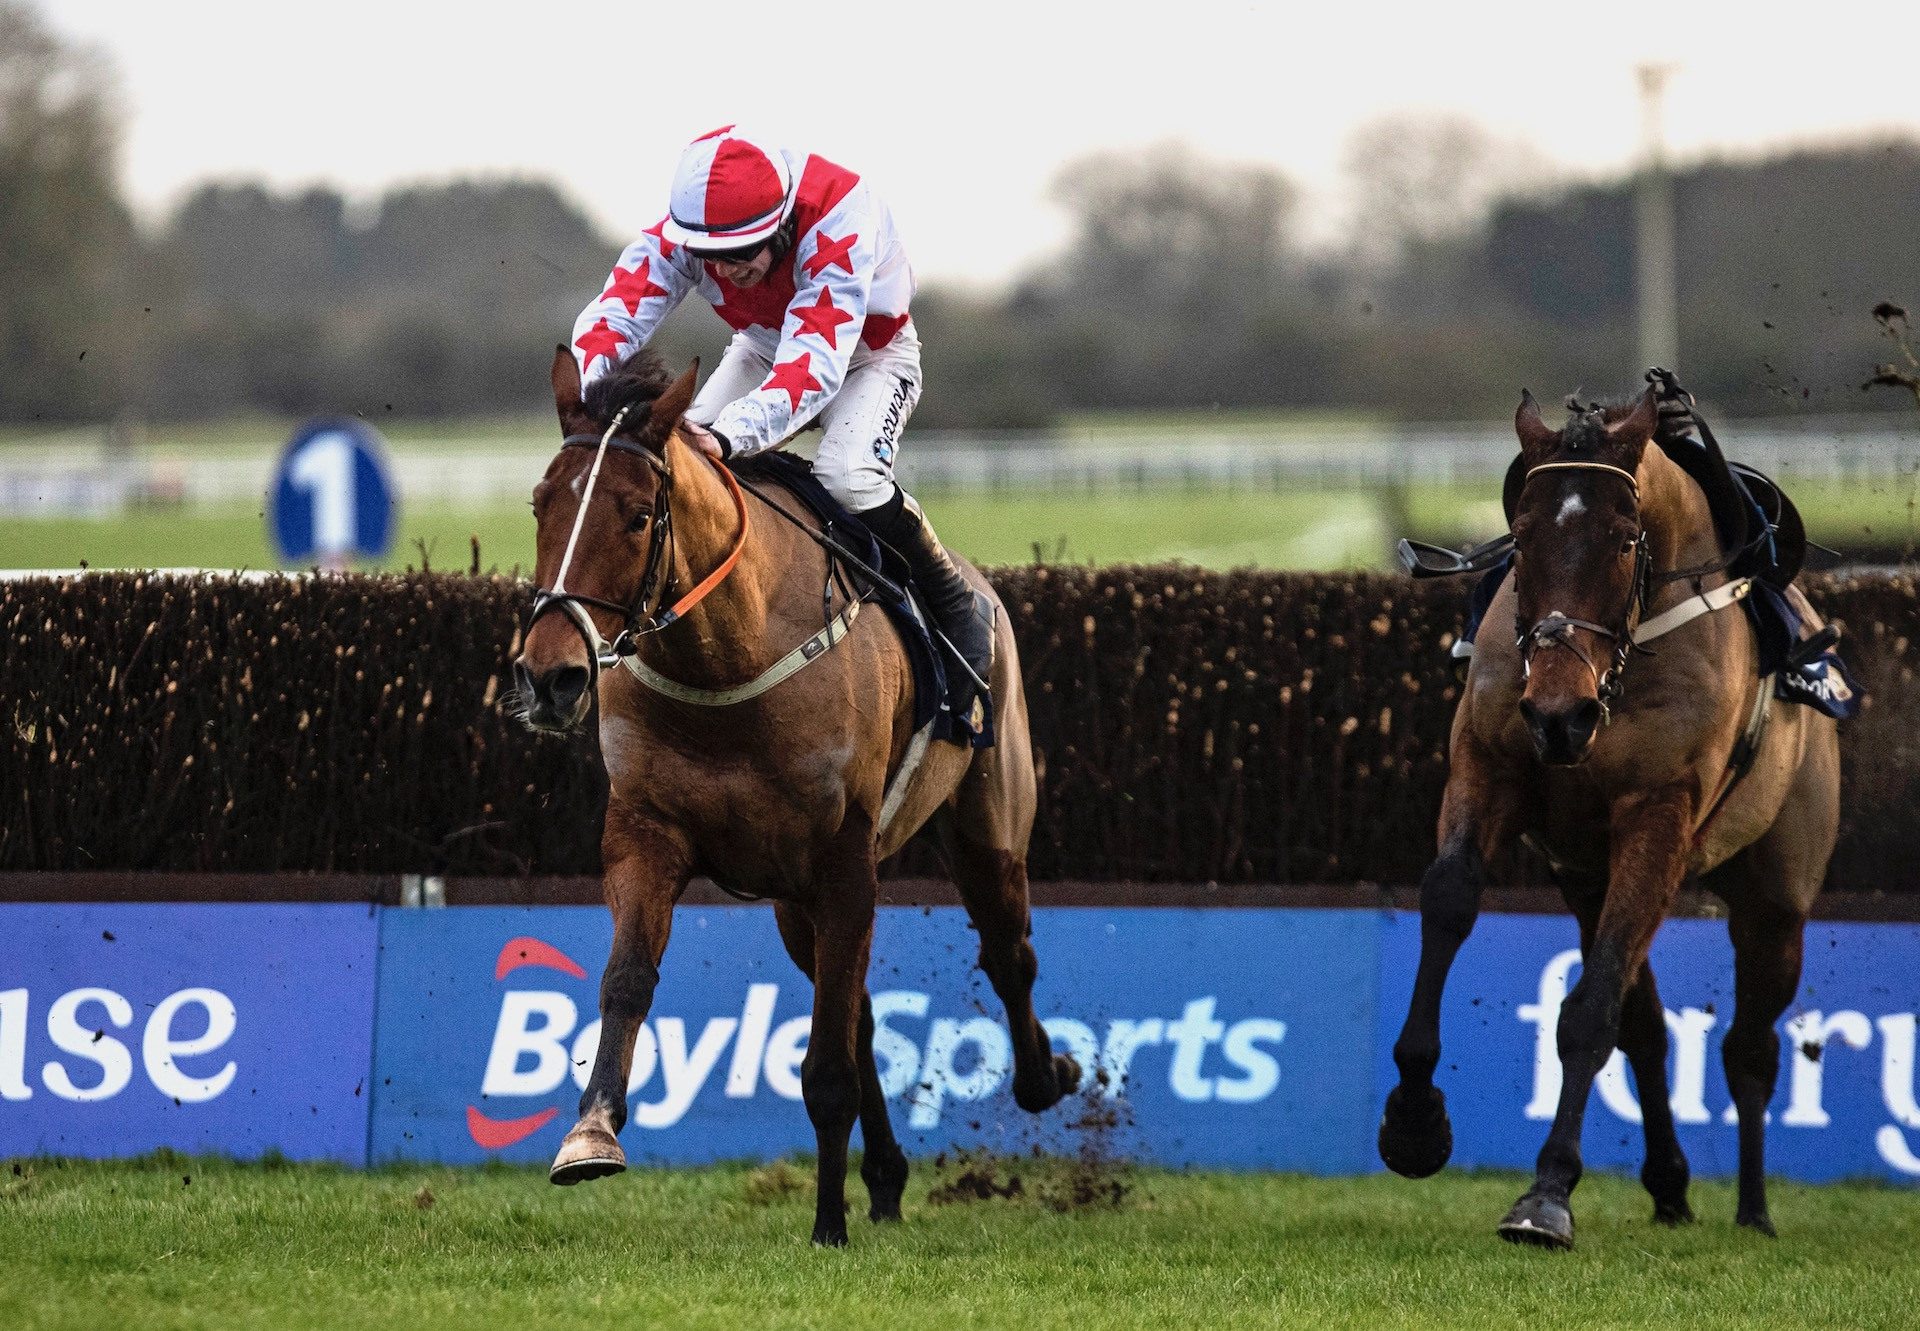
(1193, 726)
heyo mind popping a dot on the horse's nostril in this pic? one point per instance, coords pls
(1582, 721)
(1561, 737)
(1536, 724)
(565, 686)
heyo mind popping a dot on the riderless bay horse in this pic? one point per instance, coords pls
(733, 755)
(1631, 781)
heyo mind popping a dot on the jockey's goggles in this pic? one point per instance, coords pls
(747, 255)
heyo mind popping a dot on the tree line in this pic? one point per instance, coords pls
(1467, 270)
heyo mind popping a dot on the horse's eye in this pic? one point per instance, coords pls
(641, 517)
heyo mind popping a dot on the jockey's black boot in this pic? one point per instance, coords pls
(964, 617)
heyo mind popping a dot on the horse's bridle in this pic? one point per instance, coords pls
(656, 575)
(1556, 630)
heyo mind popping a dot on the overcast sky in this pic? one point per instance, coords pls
(960, 113)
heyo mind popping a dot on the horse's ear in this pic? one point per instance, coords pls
(1636, 427)
(1529, 425)
(566, 388)
(671, 405)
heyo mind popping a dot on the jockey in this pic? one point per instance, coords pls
(801, 259)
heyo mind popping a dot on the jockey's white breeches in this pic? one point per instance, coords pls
(862, 423)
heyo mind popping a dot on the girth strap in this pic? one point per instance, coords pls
(785, 668)
(1745, 750)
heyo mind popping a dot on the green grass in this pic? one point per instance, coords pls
(1213, 528)
(1220, 530)
(172, 1242)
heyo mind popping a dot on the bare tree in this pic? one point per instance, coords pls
(1418, 178)
(64, 235)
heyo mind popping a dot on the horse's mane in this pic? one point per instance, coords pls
(635, 382)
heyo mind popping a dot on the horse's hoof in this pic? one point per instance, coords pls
(586, 1153)
(1416, 1138)
(1672, 1214)
(826, 1236)
(1065, 1072)
(1758, 1221)
(1539, 1221)
(886, 1180)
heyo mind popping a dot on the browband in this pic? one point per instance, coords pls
(1625, 475)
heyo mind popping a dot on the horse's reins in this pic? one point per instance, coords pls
(657, 572)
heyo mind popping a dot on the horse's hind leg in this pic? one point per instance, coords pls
(842, 917)
(1769, 889)
(883, 1165)
(1643, 1038)
(1767, 941)
(993, 886)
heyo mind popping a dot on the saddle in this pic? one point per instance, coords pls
(880, 575)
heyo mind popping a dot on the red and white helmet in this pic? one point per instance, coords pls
(729, 192)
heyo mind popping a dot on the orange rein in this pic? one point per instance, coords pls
(719, 574)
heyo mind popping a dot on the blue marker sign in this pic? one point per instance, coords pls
(332, 498)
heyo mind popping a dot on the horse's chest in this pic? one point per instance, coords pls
(755, 820)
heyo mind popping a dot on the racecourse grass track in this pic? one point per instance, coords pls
(1214, 529)
(1211, 528)
(170, 1241)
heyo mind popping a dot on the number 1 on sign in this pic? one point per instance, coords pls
(324, 469)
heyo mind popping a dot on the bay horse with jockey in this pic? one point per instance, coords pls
(1623, 729)
(751, 745)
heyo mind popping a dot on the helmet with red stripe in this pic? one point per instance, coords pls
(730, 192)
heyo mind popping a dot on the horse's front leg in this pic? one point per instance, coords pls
(646, 870)
(1650, 835)
(842, 918)
(1477, 819)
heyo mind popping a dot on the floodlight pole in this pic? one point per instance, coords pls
(1654, 280)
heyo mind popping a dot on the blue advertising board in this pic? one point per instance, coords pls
(1845, 1104)
(331, 497)
(1223, 1038)
(1233, 1038)
(236, 1029)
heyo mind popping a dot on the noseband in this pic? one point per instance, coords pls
(1556, 629)
(656, 575)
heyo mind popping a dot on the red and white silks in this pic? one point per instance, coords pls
(843, 287)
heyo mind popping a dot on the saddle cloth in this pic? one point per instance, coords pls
(794, 475)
